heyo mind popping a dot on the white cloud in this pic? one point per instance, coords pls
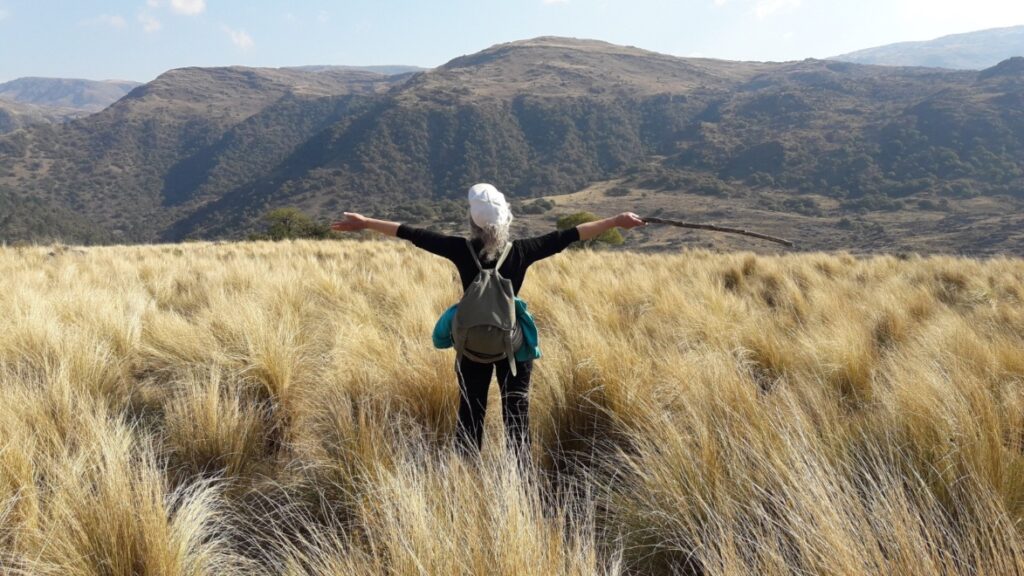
(765, 8)
(239, 38)
(188, 7)
(113, 21)
(323, 17)
(149, 23)
(760, 8)
(4, 14)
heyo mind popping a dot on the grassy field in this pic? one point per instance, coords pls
(270, 408)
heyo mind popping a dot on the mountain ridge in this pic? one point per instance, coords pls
(202, 153)
(37, 100)
(969, 51)
(74, 93)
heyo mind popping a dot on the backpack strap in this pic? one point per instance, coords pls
(510, 354)
(504, 254)
(501, 259)
(473, 252)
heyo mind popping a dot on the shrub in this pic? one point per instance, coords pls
(873, 203)
(710, 186)
(452, 211)
(802, 205)
(290, 223)
(960, 189)
(761, 179)
(611, 237)
(419, 211)
(539, 206)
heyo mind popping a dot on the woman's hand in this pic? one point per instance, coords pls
(628, 220)
(352, 223)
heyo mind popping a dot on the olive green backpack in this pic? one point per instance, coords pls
(484, 327)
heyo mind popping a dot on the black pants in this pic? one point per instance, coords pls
(515, 403)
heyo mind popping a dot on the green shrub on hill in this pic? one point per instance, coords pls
(538, 206)
(290, 223)
(617, 192)
(611, 237)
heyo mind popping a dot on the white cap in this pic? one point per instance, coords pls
(487, 206)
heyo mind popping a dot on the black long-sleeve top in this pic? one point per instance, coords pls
(525, 251)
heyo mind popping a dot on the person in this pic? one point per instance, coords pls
(489, 219)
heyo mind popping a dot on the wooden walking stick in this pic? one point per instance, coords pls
(653, 220)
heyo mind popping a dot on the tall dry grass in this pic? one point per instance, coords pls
(278, 409)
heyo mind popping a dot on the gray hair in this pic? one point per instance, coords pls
(493, 236)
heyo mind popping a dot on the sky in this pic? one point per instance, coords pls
(140, 39)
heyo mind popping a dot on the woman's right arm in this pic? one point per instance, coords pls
(353, 222)
(450, 247)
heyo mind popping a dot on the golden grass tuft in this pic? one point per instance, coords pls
(264, 408)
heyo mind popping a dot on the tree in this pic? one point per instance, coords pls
(611, 237)
(289, 222)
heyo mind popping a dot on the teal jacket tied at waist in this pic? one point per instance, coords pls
(528, 351)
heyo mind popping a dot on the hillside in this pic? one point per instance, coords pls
(970, 51)
(268, 409)
(134, 166)
(71, 93)
(837, 155)
(15, 115)
(27, 101)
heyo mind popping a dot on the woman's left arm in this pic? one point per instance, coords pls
(552, 243)
(626, 220)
